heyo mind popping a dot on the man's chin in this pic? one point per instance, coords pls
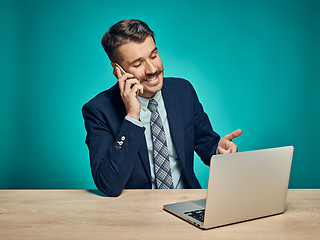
(149, 90)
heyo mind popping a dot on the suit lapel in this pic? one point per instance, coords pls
(174, 118)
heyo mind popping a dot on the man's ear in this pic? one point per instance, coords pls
(113, 64)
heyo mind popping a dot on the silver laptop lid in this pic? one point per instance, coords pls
(247, 185)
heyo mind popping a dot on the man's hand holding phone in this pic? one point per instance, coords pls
(130, 87)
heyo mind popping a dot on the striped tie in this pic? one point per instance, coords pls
(162, 167)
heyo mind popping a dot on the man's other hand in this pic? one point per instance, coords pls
(226, 145)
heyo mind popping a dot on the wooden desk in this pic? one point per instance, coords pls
(138, 214)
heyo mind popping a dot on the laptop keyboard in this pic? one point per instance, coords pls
(196, 214)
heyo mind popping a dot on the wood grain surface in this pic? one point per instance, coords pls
(138, 214)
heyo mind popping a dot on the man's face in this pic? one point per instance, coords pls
(143, 61)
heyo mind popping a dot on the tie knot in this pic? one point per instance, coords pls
(152, 105)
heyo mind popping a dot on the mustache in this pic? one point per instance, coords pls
(149, 76)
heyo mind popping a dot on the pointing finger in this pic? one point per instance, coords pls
(233, 135)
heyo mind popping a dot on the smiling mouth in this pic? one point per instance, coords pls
(152, 79)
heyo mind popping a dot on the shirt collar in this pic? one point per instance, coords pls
(145, 101)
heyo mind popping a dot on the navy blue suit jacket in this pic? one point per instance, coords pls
(115, 167)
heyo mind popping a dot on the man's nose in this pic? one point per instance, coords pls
(150, 68)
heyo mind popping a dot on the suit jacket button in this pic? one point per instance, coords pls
(123, 138)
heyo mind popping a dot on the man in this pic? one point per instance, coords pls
(143, 131)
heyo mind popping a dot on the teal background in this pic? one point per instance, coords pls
(254, 64)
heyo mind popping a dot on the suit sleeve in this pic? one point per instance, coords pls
(205, 139)
(112, 158)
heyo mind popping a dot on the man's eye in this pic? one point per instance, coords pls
(137, 65)
(153, 56)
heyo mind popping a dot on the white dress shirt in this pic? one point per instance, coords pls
(145, 116)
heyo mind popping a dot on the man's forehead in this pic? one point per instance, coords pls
(131, 51)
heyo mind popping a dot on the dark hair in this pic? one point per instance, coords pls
(124, 32)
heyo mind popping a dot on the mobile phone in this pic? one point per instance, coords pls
(123, 71)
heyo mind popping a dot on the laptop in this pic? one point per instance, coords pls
(242, 186)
